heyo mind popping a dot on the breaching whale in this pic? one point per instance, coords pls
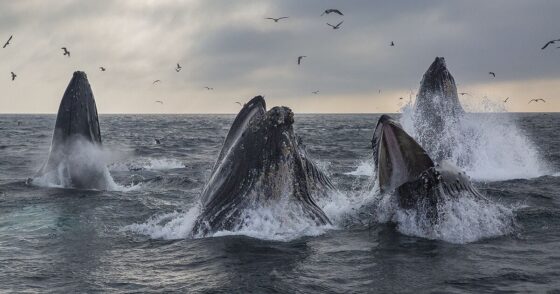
(437, 110)
(76, 131)
(405, 169)
(262, 162)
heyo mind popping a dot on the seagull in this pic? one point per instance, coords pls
(102, 68)
(392, 44)
(159, 101)
(315, 92)
(536, 100)
(464, 93)
(336, 27)
(157, 141)
(492, 74)
(179, 68)
(13, 76)
(8, 42)
(548, 43)
(209, 88)
(66, 52)
(300, 58)
(156, 81)
(329, 11)
(505, 101)
(276, 19)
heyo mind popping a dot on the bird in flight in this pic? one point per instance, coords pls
(336, 27)
(66, 52)
(13, 76)
(178, 68)
(159, 101)
(7, 42)
(548, 43)
(276, 19)
(329, 11)
(208, 88)
(536, 100)
(156, 81)
(300, 58)
(315, 92)
(102, 68)
(392, 44)
(239, 103)
(492, 74)
(505, 101)
(464, 93)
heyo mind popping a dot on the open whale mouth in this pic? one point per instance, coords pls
(398, 157)
(261, 165)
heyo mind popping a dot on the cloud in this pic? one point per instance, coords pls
(230, 46)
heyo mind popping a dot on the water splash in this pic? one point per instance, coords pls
(364, 168)
(169, 226)
(460, 220)
(86, 161)
(488, 146)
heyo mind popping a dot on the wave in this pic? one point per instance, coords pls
(147, 164)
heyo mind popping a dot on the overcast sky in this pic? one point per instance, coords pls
(228, 45)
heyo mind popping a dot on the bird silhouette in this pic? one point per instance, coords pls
(8, 42)
(492, 74)
(548, 43)
(178, 68)
(13, 76)
(300, 58)
(315, 92)
(536, 100)
(209, 88)
(276, 19)
(336, 27)
(239, 103)
(506, 100)
(157, 141)
(159, 101)
(392, 44)
(156, 81)
(329, 11)
(102, 68)
(66, 52)
(464, 93)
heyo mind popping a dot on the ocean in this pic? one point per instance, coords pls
(135, 236)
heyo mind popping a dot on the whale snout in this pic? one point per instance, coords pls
(280, 116)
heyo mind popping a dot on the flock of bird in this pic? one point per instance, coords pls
(178, 68)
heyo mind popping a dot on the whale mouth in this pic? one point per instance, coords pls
(397, 156)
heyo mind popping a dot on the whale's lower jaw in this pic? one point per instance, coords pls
(434, 186)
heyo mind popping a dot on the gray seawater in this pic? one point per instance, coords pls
(134, 239)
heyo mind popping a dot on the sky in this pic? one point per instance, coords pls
(231, 47)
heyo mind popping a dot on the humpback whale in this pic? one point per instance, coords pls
(76, 131)
(437, 110)
(262, 162)
(405, 168)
